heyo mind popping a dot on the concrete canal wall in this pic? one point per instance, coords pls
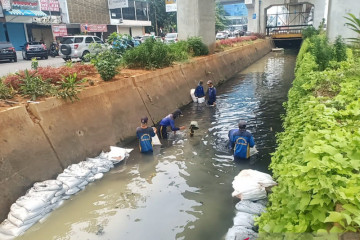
(39, 140)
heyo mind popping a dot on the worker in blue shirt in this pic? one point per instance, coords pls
(169, 121)
(241, 141)
(145, 134)
(212, 93)
(199, 90)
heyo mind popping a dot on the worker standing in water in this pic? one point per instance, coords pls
(241, 141)
(169, 120)
(212, 93)
(199, 90)
(145, 134)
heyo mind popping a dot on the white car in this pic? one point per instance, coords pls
(171, 38)
(78, 46)
(221, 35)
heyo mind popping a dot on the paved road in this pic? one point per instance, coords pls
(11, 67)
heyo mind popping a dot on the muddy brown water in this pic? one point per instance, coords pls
(183, 190)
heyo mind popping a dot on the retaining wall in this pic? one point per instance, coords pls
(39, 140)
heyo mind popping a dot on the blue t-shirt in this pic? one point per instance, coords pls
(212, 96)
(199, 91)
(241, 141)
(169, 121)
(145, 141)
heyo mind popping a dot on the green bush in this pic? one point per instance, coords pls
(179, 50)
(34, 87)
(69, 88)
(197, 47)
(340, 49)
(106, 63)
(309, 32)
(322, 51)
(5, 91)
(149, 55)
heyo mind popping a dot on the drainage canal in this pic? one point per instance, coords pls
(184, 191)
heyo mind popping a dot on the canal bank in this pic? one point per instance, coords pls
(41, 139)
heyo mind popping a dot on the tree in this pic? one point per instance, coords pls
(220, 20)
(160, 18)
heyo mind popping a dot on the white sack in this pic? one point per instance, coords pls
(19, 223)
(8, 228)
(31, 204)
(48, 185)
(192, 94)
(43, 195)
(250, 207)
(250, 185)
(240, 233)
(21, 212)
(83, 184)
(244, 219)
(60, 192)
(117, 154)
(201, 100)
(72, 191)
(70, 182)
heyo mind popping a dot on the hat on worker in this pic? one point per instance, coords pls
(144, 120)
(177, 113)
(209, 82)
(242, 124)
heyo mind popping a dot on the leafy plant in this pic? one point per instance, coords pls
(179, 50)
(6, 92)
(309, 32)
(34, 63)
(149, 55)
(354, 25)
(69, 63)
(197, 47)
(317, 161)
(322, 51)
(69, 88)
(34, 87)
(107, 63)
(340, 49)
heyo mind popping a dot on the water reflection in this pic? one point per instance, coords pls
(182, 191)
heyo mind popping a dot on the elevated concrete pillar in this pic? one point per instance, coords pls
(196, 18)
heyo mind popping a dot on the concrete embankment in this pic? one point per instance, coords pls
(39, 140)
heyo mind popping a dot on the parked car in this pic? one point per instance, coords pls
(221, 35)
(34, 50)
(78, 46)
(171, 38)
(147, 36)
(7, 52)
(139, 39)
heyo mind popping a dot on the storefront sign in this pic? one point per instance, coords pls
(170, 5)
(6, 4)
(50, 5)
(93, 27)
(248, 1)
(118, 4)
(59, 30)
(47, 19)
(25, 5)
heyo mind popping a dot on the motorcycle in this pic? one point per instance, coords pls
(54, 49)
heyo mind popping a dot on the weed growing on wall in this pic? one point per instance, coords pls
(197, 47)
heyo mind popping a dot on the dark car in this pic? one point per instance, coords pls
(7, 51)
(34, 49)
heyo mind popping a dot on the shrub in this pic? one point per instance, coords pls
(69, 88)
(309, 32)
(106, 63)
(340, 49)
(6, 92)
(197, 47)
(322, 51)
(149, 55)
(179, 50)
(33, 86)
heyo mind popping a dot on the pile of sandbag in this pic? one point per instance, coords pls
(250, 186)
(48, 195)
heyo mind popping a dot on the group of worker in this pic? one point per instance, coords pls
(240, 140)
